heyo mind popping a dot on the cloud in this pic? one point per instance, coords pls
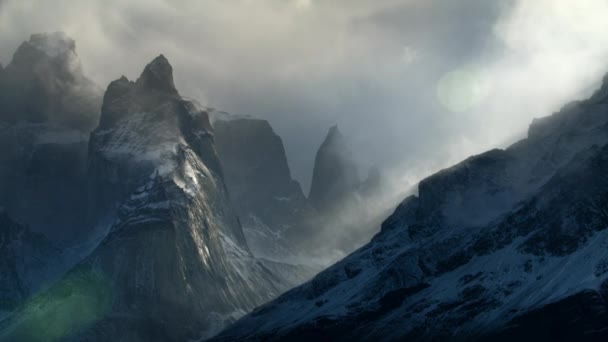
(373, 67)
(554, 52)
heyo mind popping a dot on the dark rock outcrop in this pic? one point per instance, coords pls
(276, 216)
(335, 175)
(350, 208)
(154, 87)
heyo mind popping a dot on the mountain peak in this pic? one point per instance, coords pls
(334, 131)
(153, 88)
(45, 83)
(335, 173)
(53, 44)
(43, 46)
(333, 137)
(160, 60)
(46, 47)
(158, 75)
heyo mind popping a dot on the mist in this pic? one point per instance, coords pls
(415, 85)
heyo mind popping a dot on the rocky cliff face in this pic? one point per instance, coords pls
(277, 219)
(47, 110)
(351, 209)
(507, 244)
(335, 176)
(175, 264)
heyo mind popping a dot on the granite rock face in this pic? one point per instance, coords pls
(350, 207)
(279, 222)
(507, 244)
(335, 174)
(277, 219)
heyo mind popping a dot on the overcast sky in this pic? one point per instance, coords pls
(415, 84)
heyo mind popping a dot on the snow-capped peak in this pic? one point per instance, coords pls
(53, 44)
(158, 75)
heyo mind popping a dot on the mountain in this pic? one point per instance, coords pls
(44, 83)
(509, 244)
(277, 218)
(335, 174)
(174, 264)
(47, 110)
(351, 208)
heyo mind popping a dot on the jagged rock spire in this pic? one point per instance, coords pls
(158, 75)
(123, 97)
(335, 173)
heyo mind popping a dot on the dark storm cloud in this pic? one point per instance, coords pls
(373, 67)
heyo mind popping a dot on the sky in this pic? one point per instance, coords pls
(416, 85)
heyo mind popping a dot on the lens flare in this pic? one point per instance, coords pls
(80, 299)
(460, 90)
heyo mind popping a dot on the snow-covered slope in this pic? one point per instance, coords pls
(508, 244)
(174, 264)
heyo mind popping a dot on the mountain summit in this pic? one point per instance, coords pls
(44, 83)
(154, 87)
(335, 175)
(54, 44)
(158, 76)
